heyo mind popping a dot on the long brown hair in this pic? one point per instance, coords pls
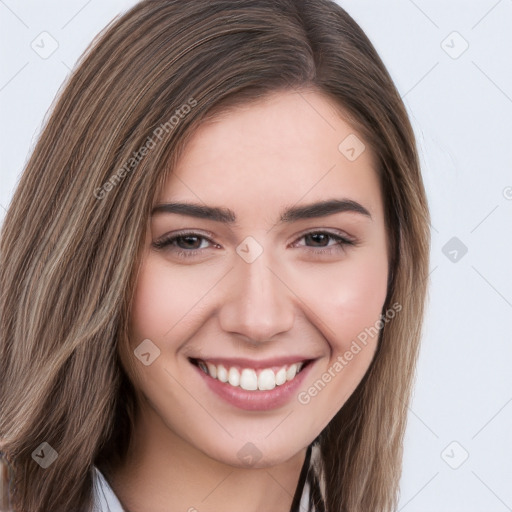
(71, 240)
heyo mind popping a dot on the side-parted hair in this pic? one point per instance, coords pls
(70, 245)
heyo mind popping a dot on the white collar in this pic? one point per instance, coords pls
(104, 498)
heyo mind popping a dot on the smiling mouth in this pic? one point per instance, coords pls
(251, 379)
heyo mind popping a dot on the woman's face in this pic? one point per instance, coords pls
(273, 256)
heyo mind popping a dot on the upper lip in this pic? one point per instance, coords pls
(251, 363)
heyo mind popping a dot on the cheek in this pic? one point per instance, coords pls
(350, 307)
(348, 297)
(165, 300)
(359, 302)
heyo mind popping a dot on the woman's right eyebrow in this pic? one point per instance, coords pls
(291, 214)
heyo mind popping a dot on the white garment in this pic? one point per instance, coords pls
(106, 501)
(104, 498)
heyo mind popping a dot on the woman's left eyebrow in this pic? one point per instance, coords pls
(291, 214)
(324, 208)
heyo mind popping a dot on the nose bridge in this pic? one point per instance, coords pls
(257, 304)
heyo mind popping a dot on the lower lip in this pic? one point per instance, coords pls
(256, 400)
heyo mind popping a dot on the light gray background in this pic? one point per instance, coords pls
(461, 108)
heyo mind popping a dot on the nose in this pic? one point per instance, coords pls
(257, 304)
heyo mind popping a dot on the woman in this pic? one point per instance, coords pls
(214, 270)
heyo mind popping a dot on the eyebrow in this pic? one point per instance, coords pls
(291, 214)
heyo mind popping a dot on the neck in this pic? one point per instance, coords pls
(164, 473)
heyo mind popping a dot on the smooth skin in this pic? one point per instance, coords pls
(304, 295)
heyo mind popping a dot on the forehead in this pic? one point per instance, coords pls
(288, 147)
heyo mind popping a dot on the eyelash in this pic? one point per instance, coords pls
(166, 241)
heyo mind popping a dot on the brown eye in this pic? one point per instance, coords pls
(319, 242)
(184, 245)
(188, 242)
(318, 238)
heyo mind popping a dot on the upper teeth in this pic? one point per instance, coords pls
(250, 379)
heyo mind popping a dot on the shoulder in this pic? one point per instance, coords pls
(105, 499)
